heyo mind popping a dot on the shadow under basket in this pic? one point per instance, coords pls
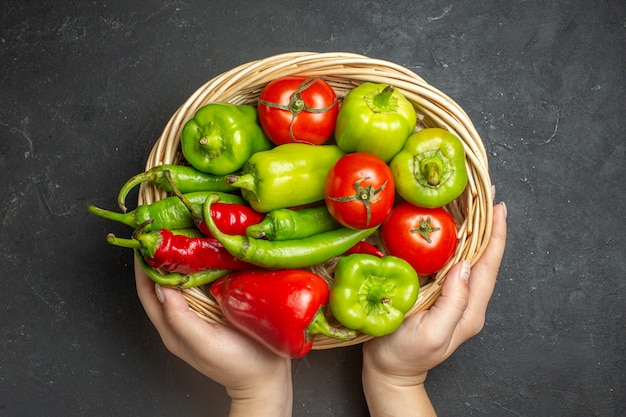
(472, 211)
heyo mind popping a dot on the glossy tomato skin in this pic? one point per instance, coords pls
(359, 190)
(401, 235)
(298, 109)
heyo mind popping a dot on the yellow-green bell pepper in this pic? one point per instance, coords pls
(372, 294)
(374, 118)
(430, 170)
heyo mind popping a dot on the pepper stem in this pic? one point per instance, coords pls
(194, 209)
(319, 325)
(245, 181)
(383, 101)
(122, 242)
(432, 174)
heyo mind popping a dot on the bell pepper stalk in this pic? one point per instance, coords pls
(371, 294)
(286, 224)
(430, 170)
(185, 251)
(168, 213)
(177, 279)
(288, 175)
(286, 254)
(374, 118)
(186, 178)
(221, 137)
(281, 309)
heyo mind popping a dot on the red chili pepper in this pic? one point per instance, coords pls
(232, 219)
(282, 309)
(179, 252)
(366, 248)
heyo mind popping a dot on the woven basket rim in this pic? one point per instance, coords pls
(344, 70)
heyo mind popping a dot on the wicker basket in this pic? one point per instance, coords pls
(343, 71)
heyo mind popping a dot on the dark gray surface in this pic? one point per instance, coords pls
(86, 88)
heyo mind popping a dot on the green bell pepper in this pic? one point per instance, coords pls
(430, 170)
(288, 175)
(221, 137)
(372, 294)
(374, 118)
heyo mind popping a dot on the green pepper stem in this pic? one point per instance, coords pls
(122, 242)
(383, 101)
(432, 174)
(245, 181)
(194, 209)
(319, 325)
(148, 176)
(212, 140)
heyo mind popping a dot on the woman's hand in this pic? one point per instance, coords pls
(257, 380)
(395, 366)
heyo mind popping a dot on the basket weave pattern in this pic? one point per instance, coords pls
(343, 71)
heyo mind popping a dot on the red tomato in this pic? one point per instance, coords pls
(359, 190)
(298, 109)
(424, 237)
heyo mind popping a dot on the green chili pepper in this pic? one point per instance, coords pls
(221, 137)
(430, 170)
(372, 294)
(186, 179)
(286, 254)
(374, 118)
(168, 213)
(175, 279)
(286, 224)
(289, 175)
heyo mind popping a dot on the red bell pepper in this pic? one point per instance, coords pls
(281, 309)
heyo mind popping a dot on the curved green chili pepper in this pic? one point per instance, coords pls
(175, 279)
(430, 170)
(221, 137)
(186, 179)
(286, 224)
(168, 213)
(285, 254)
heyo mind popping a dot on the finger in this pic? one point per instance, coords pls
(147, 295)
(483, 279)
(443, 317)
(485, 272)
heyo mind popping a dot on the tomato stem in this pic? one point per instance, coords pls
(425, 228)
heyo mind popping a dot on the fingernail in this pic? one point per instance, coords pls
(159, 293)
(493, 192)
(504, 207)
(465, 270)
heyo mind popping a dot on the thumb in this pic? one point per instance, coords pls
(175, 307)
(447, 311)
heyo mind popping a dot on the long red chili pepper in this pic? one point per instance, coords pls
(282, 309)
(176, 252)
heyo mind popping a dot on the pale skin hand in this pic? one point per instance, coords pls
(257, 380)
(395, 366)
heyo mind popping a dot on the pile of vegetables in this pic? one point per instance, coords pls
(267, 192)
